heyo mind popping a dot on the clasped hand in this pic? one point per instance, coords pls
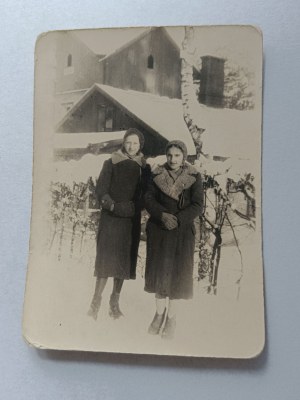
(107, 202)
(123, 209)
(169, 220)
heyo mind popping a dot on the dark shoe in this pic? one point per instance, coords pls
(169, 328)
(157, 323)
(94, 309)
(114, 308)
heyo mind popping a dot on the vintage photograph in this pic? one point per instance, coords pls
(146, 209)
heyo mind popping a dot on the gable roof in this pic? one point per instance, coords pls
(228, 133)
(105, 41)
(110, 41)
(139, 37)
(160, 115)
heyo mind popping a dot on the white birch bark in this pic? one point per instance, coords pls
(187, 88)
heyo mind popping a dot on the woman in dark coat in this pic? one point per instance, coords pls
(119, 190)
(174, 198)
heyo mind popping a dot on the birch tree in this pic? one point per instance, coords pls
(187, 87)
(218, 184)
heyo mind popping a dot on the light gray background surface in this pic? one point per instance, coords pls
(26, 373)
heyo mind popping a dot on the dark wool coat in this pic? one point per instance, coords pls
(170, 254)
(118, 237)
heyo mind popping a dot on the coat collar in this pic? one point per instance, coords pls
(119, 156)
(166, 183)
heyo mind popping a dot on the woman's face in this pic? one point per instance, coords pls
(174, 158)
(132, 145)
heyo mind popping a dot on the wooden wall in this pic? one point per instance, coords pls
(128, 68)
(85, 118)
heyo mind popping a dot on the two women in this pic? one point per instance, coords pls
(119, 190)
(174, 198)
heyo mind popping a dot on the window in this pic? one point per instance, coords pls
(105, 118)
(69, 69)
(150, 62)
(69, 60)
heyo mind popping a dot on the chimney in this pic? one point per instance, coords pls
(212, 81)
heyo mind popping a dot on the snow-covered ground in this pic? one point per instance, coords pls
(208, 325)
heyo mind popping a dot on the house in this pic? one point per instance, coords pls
(149, 62)
(137, 85)
(77, 68)
(107, 112)
(107, 109)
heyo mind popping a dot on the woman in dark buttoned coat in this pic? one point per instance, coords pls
(119, 191)
(174, 198)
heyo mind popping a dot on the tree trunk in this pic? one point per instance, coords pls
(187, 87)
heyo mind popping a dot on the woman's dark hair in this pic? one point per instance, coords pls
(134, 131)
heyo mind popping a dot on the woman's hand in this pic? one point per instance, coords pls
(107, 202)
(169, 221)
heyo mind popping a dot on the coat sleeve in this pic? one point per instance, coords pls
(154, 208)
(104, 180)
(188, 214)
(145, 178)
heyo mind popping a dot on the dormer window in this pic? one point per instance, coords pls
(150, 63)
(69, 60)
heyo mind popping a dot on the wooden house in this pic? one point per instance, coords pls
(77, 69)
(136, 85)
(150, 63)
(105, 109)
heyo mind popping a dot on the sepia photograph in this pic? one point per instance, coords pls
(146, 230)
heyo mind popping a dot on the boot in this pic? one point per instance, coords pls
(169, 328)
(94, 308)
(114, 308)
(157, 323)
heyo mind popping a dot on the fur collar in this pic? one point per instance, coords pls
(119, 156)
(166, 183)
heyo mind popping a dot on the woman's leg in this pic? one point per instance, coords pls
(96, 301)
(170, 325)
(114, 310)
(172, 308)
(118, 283)
(160, 304)
(159, 316)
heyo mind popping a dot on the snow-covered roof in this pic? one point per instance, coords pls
(228, 133)
(82, 140)
(161, 114)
